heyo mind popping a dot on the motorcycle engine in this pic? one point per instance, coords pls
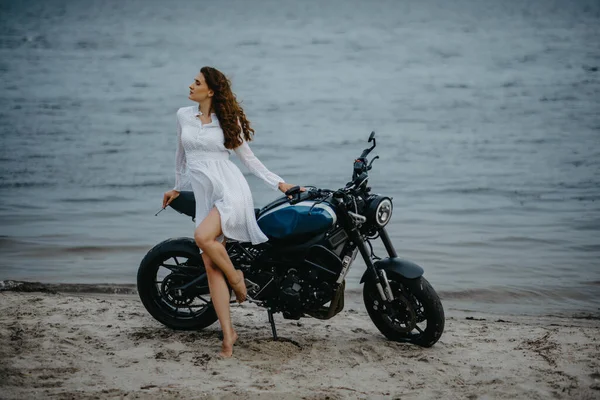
(302, 291)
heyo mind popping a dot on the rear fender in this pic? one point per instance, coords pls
(395, 267)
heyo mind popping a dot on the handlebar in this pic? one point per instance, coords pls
(292, 191)
(361, 166)
(298, 196)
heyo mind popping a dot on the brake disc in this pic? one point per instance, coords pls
(401, 314)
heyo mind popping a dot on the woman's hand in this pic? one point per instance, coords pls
(284, 187)
(169, 196)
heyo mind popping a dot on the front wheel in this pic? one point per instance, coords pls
(415, 316)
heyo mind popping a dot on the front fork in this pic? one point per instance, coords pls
(380, 277)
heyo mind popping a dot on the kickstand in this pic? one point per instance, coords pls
(272, 321)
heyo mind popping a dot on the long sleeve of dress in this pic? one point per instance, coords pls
(256, 167)
(180, 160)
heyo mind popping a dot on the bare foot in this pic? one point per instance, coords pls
(239, 287)
(227, 346)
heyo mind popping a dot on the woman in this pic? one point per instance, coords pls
(224, 206)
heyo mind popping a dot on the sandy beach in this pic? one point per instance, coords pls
(106, 346)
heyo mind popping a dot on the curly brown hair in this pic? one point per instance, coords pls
(227, 108)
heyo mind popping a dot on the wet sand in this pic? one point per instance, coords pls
(106, 346)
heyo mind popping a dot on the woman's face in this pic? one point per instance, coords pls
(199, 90)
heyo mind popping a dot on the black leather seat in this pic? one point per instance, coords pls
(185, 203)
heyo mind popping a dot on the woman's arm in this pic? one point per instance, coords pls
(256, 167)
(180, 160)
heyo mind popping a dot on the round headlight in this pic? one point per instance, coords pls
(383, 212)
(379, 210)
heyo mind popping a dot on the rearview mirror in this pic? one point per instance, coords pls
(372, 136)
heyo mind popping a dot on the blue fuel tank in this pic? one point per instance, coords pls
(289, 222)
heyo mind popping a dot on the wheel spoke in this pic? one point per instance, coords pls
(176, 262)
(200, 305)
(183, 268)
(419, 329)
(173, 268)
(203, 299)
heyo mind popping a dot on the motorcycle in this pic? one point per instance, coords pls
(314, 237)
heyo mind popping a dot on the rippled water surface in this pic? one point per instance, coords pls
(486, 113)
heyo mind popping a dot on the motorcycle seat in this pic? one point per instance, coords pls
(185, 203)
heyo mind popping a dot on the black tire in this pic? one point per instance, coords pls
(426, 308)
(150, 292)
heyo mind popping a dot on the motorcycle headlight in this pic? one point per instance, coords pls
(380, 210)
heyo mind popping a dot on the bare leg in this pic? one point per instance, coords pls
(205, 237)
(220, 297)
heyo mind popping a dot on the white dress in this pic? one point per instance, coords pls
(216, 180)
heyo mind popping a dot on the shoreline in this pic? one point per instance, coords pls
(106, 346)
(459, 303)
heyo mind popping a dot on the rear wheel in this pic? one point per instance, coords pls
(415, 316)
(161, 281)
